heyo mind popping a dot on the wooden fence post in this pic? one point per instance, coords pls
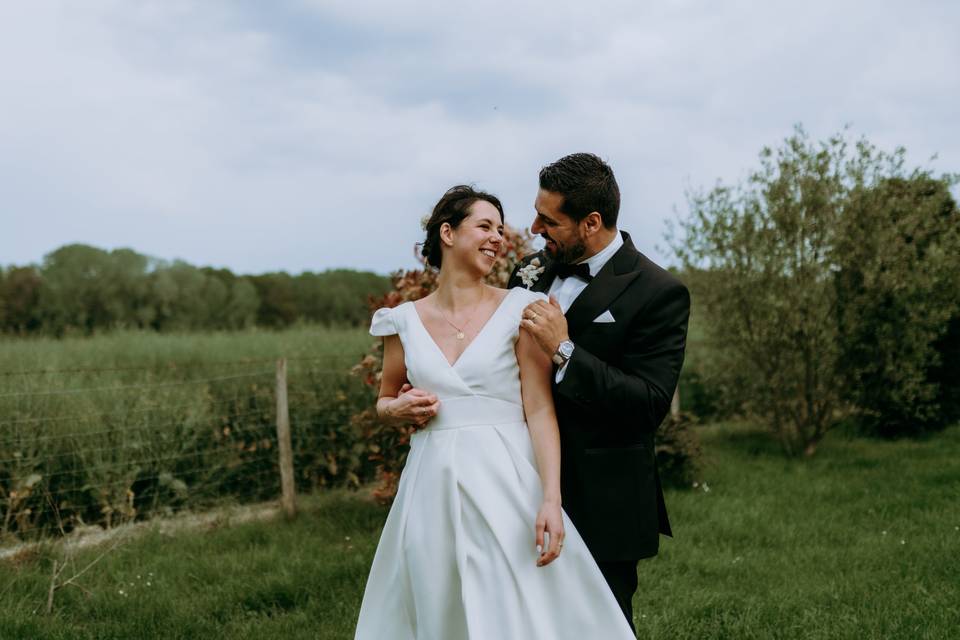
(288, 498)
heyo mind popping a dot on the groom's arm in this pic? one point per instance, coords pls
(643, 383)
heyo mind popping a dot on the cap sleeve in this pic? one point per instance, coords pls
(384, 322)
(520, 302)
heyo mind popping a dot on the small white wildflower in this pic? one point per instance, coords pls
(883, 532)
(346, 537)
(148, 583)
(695, 484)
(903, 542)
(706, 489)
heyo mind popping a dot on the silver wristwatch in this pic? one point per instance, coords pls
(563, 353)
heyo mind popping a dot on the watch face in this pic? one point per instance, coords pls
(566, 348)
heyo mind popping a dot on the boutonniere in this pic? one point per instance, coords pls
(531, 272)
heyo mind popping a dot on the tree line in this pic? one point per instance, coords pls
(81, 289)
(830, 283)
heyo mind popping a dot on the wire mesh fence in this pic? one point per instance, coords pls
(82, 446)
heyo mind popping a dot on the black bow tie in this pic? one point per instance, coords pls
(581, 270)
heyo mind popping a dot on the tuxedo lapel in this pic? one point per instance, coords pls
(604, 288)
(543, 283)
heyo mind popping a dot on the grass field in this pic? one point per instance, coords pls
(862, 541)
(124, 425)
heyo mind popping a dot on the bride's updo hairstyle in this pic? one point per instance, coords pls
(453, 208)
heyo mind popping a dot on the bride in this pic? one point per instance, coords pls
(476, 545)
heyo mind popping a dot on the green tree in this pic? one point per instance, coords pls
(19, 300)
(775, 262)
(71, 295)
(898, 253)
(278, 302)
(180, 292)
(241, 310)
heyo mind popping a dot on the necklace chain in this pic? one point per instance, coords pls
(460, 334)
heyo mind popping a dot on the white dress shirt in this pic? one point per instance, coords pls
(566, 290)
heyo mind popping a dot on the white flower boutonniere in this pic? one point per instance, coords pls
(531, 272)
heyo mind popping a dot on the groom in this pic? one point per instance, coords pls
(616, 327)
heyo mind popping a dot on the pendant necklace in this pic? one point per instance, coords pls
(460, 334)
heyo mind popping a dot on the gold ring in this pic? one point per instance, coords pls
(533, 315)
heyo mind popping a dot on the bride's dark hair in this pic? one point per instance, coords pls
(452, 208)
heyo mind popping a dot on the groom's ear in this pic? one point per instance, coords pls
(592, 223)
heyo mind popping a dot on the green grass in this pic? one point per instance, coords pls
(862, 541)
(151, 349)
(122, 425)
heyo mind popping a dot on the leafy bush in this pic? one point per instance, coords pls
(678, 451)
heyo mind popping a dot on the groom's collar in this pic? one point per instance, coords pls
(600, 258)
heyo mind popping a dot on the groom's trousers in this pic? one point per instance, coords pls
(622, 578)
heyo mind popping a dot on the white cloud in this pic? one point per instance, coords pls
(315, 134)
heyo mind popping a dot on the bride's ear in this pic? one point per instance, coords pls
(446, 234)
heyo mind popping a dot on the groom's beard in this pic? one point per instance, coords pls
(569, 254)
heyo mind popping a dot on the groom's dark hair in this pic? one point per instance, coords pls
(452, 208)
(587, 184)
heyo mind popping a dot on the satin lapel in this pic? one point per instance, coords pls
(542, 285)
(609, 283)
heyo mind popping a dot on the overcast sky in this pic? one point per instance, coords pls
(307, 135)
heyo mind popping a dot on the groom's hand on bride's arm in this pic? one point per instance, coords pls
(544, 320)
(411, 406)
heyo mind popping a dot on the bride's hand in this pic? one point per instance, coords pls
(550, 520)
(412, 406)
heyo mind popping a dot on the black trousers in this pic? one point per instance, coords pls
(622, 578)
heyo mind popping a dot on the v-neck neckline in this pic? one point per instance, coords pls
(436, 346)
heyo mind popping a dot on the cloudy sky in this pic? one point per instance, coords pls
(314, 134)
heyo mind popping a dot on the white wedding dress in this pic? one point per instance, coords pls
(457, 556)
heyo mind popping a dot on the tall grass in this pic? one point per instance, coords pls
(116, 427)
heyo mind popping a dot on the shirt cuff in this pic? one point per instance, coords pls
(561, 371)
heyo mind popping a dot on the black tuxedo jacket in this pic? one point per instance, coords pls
(615, 392)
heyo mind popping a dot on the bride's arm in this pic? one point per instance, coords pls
(535, 370)
(394, 405)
